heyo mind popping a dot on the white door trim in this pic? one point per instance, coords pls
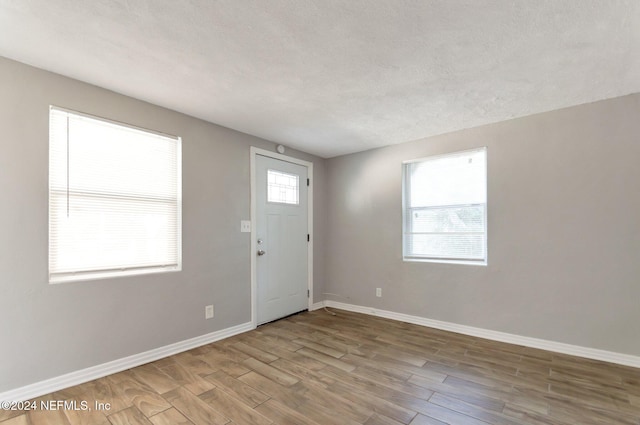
(254, 246)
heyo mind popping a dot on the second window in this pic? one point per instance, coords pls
(445, 208)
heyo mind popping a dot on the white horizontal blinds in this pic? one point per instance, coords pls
(445, 211)
(114, 198)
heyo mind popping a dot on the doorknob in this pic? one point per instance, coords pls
(261, 252)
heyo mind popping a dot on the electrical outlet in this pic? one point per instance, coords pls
(378, 292)
(208, 312)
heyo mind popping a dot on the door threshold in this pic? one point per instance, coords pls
(284, 317)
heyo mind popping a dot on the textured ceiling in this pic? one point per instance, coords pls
(332, 77)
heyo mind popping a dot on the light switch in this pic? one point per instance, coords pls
(245, 226)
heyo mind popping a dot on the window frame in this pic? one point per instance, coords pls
(406, 185)
(297, 189)
(87, 274)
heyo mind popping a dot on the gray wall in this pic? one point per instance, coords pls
(48, 330)
(564, 233)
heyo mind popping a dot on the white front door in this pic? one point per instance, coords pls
(282, 238)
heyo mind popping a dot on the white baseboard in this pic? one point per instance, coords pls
(558, 347)
(89, 374)
(316, 306)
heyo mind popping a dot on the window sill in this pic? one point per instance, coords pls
(109, 274)
(434, 260)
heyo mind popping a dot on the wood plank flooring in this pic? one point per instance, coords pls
(317, 369)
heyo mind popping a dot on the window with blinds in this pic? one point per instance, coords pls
(445, 208)
(114, 199)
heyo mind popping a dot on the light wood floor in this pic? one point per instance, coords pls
(314, 368)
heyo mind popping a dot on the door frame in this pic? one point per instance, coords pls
(254, 152)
